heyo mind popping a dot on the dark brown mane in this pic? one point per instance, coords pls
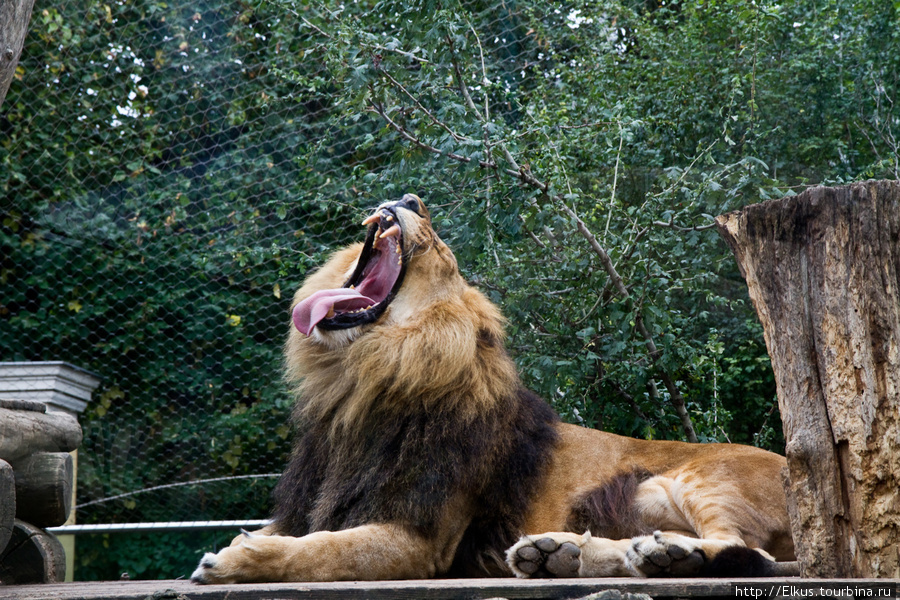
(405, 466)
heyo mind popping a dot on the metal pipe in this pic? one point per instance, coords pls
(161, 526)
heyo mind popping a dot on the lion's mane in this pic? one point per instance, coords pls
(413, 414)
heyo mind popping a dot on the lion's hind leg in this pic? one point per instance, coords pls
(704, 525)
(680, 524)
(564, 554)
(676, 555)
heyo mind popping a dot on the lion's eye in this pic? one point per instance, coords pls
(410, 202)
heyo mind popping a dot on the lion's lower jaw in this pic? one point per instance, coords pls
(338, 338)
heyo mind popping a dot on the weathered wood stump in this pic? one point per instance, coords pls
(36, 479)
(44, 488)
(823, 272)
(32, 556)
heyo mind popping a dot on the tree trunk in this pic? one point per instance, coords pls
(14, 18)
(823, 272)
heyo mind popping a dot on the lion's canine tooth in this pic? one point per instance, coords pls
(390, 232)
(371, 219)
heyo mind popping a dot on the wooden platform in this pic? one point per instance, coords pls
(447, 589)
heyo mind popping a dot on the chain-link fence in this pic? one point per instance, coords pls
(175, 223)
(171, 171)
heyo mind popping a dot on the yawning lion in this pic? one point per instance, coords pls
(420, 453)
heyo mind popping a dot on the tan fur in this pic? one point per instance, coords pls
(722, 494)
(436, 319)
(440, 338)
(370, 552)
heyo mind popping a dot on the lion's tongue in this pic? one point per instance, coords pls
(316, 307)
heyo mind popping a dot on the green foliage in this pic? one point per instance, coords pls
(643, 121)
(162, 555)
(173, 172)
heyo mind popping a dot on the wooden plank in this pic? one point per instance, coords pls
(446, 589)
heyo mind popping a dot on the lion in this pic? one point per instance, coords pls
(420, 453)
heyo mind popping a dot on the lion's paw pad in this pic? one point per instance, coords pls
(660, 554)
(545, 557)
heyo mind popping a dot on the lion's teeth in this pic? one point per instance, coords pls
(392, 231)
(371, 219)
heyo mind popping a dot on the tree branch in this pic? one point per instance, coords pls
(435, 120)
(524, 175)
(672, 225)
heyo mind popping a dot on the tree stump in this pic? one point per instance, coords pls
(823, 272)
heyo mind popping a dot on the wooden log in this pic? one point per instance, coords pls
(823, 272)
(44, 488)
(25, 432)
(14, 18)
(32, 556)
(7, 502)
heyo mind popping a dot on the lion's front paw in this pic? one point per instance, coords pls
(664, 554)
(249, 558)
(206, 571)
(550, 555)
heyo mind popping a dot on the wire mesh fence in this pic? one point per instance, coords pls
(171, 175)
(174, 221)
(172, 171)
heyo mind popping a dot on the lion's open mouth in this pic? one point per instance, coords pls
(375, 281)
